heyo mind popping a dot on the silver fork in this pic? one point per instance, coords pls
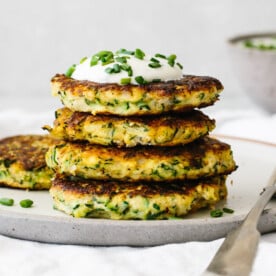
(237, 253)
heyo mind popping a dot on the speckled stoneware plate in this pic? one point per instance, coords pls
(41, 223)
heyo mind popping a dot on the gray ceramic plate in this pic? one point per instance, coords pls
(41, 223)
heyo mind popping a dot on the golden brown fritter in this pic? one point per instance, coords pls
(22, 161)
(124, 200)
(166, 130)
(204, 157)
(126, 100)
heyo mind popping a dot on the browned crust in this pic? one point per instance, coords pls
(187, 84)
(192, 151)
(80, 186)
(194, 118)
(27, 150)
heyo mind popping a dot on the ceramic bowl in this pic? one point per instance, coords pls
(255, 68)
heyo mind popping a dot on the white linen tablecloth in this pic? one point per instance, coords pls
(18, 257)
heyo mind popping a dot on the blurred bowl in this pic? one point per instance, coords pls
(255, 66)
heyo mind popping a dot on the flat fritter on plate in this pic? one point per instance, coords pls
(22, 162)
(202, 158)
(125, 100)
(123, 200)
(166, 130)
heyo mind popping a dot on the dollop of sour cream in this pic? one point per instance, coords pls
(148, 68)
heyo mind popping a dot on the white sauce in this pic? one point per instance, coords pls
(140, 67)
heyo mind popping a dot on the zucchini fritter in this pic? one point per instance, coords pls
(167, 130)
(202, 158)
(22, 162)
(123, 200)
(125, 100)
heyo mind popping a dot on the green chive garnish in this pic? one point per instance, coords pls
(216, 213)
(83, 60)
(127, 68)
(154, 60)
(26, 203)
(156, 206)
(228, 210)
(171, 60)
(116, 68)
(179, 65)
(139, 54)
(140, 80)
(107, 54)
(125, 52)
(94, 60)
(70, 71)
(109, 70)
(160, 56)
(105, 57)
(121, 59)
(6, 201)
(155, 65)
(125, 81)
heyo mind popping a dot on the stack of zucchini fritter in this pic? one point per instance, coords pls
(136, 151)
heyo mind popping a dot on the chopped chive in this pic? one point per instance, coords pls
(154, 65)
(121, 59)
(116, 68)
(140, 80)
(130, 72)
(109, 70)
(126, 52)
(94, 60)
(6, 201)
(26, 203)
(102, 54)
(125, 81)
(105, 57)
(139, 54)
(179, 65)
(156, 206)
(107, 61)
(160, 56)
(83, 60)
(127, 68)
(154, 60)
(216, 213)
(228, 210)
(70, 71)
(171, 60)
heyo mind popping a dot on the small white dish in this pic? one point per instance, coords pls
(255, 68)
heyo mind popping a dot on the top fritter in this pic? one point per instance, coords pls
(129, 83)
